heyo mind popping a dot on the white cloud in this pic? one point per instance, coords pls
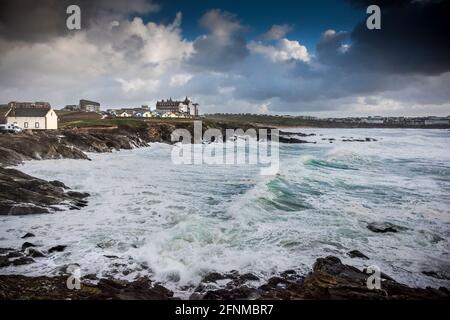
(180, 80)
(122, 59)
(138, 84)
(285, 50)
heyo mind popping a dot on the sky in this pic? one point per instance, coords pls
(273, 57)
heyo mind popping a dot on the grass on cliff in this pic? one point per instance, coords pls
(124, 122)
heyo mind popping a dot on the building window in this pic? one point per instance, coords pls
(25, 125)
(36, 125)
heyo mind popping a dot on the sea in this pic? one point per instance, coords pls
(177, 222)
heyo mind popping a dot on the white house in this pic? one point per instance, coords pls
(34, 118)
(124, 114)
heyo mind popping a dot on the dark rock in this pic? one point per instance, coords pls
(300, 134)
(329, 279)
(214, 276)
(291, 140)
(248, 277)
(14, 254)
(436, 275)
(141, 289)
(6, 250)
(22, 261)
(14, 287)
(58, 248)
(58, 184)
(357, 254)
(26, 209)
(111, 257)
(27, 245)
(4, 261)
(241, 293)
(22, 194)
(32, 252)
(78, 195)
(383, 227)
(28, 235)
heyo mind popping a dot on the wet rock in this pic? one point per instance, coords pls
(22, 194)
(14, 254)
(22, 260)
(291, 140)
(436, 275)
(241, 293)
(28, 235)
(26, 245)
(26, 209)
(213, 277)
(357, 254)
(299, 134)
(111, 257)
(5, 250)
(141, 289)
(35, 253)
(384, 227)
(14, 287)
(58, 248)
(4, 261)
(248, 277)
(58, 184)
(329, 279)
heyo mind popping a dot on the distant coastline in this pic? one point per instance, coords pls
(311, 122)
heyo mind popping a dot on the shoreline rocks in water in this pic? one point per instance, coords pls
(22, 194)
(384, 227)
(17, 287)
(329, 279)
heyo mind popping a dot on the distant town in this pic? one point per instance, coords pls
(17, 116)
(41, 116)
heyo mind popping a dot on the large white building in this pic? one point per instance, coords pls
(186, 107)
(33, 116)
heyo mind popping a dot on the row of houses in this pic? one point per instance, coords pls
(402, 121)
(29, 115)
(164, 109)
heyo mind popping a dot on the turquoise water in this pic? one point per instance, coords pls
(175, 223)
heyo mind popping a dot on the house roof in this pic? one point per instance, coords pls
(29, 112)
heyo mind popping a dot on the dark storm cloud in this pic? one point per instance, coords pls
(31, 20)
(414, 39)
(224, 44)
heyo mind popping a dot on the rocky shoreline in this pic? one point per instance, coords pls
(22, 194)
(329, 279)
